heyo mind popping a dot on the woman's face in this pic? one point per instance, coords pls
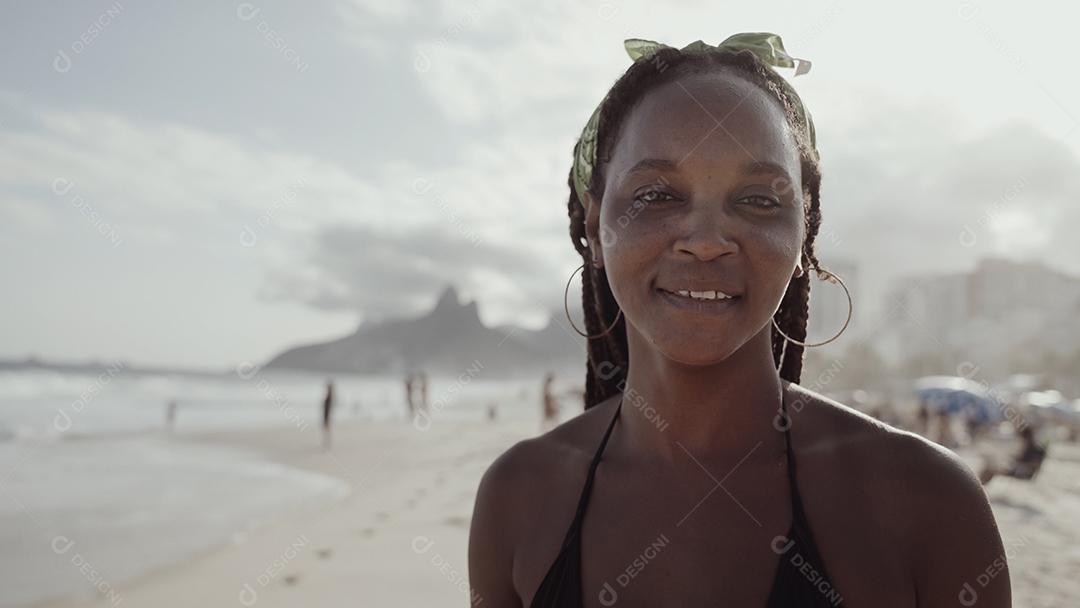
(702, 193)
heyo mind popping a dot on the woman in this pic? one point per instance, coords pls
(677, 486)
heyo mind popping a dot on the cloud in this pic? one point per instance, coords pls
(171, 177)
(497, 65)
(906, 194)
(909, 187)
(393, 273)
(321, 236)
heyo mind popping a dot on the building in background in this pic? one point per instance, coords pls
(998, 314)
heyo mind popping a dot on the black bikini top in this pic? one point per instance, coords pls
(800, 578)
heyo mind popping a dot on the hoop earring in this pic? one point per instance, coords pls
(566, 308)
(832, 278)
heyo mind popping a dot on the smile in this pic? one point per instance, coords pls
(700, 301)
(701, 295)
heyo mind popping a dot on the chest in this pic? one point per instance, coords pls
(648, 541)
(683, 542)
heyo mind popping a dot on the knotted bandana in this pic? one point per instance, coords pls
(766, 46)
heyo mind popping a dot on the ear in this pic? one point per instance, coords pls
(592, 228)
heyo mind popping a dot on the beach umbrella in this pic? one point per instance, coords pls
(1051, 405)
(955, 394)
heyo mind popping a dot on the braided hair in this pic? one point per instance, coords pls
(608, 356)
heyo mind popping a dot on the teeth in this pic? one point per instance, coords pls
(703, 295)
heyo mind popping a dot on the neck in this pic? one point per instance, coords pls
(719, 412)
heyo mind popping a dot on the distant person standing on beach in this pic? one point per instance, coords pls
(922, 419)
(550, 412)
(408, 395)
(170, 414)
(423, 391)
(328, 406)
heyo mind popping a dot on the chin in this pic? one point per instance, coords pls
(696, 351)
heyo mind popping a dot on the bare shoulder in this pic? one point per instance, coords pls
(522, 495)
(531, 463)
(893, 461)
(930, 499)
(884, 453)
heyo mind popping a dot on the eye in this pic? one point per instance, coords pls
(653, 197)
(761, 202)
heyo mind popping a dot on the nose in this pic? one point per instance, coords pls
(707, 234)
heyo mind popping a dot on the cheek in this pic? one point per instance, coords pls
(632, 246)
(773, 252)
(778, 242)
(625, 233)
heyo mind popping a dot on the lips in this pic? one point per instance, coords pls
(699, 285)
(704, 294)
(710, 303)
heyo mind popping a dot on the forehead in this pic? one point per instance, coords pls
(704, 121)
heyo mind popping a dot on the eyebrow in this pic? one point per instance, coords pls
(765, 167)
(657, 164)
(751, 168)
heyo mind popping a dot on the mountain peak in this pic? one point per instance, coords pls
(449, 306)
(448, 299)
(450, 334)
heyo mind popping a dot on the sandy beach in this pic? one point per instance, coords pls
(411, 488)
(1040, 529)
(400, 537)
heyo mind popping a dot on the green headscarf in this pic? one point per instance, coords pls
(766, 46)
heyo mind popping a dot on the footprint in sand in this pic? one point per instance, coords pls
(411, 503)
(382, 516)
(291, 579)
(366, 532)
(324, 553)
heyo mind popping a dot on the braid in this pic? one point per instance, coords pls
(794, 312)
(607, 355)
(608, 360)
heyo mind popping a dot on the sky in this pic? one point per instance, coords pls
(205, 183)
